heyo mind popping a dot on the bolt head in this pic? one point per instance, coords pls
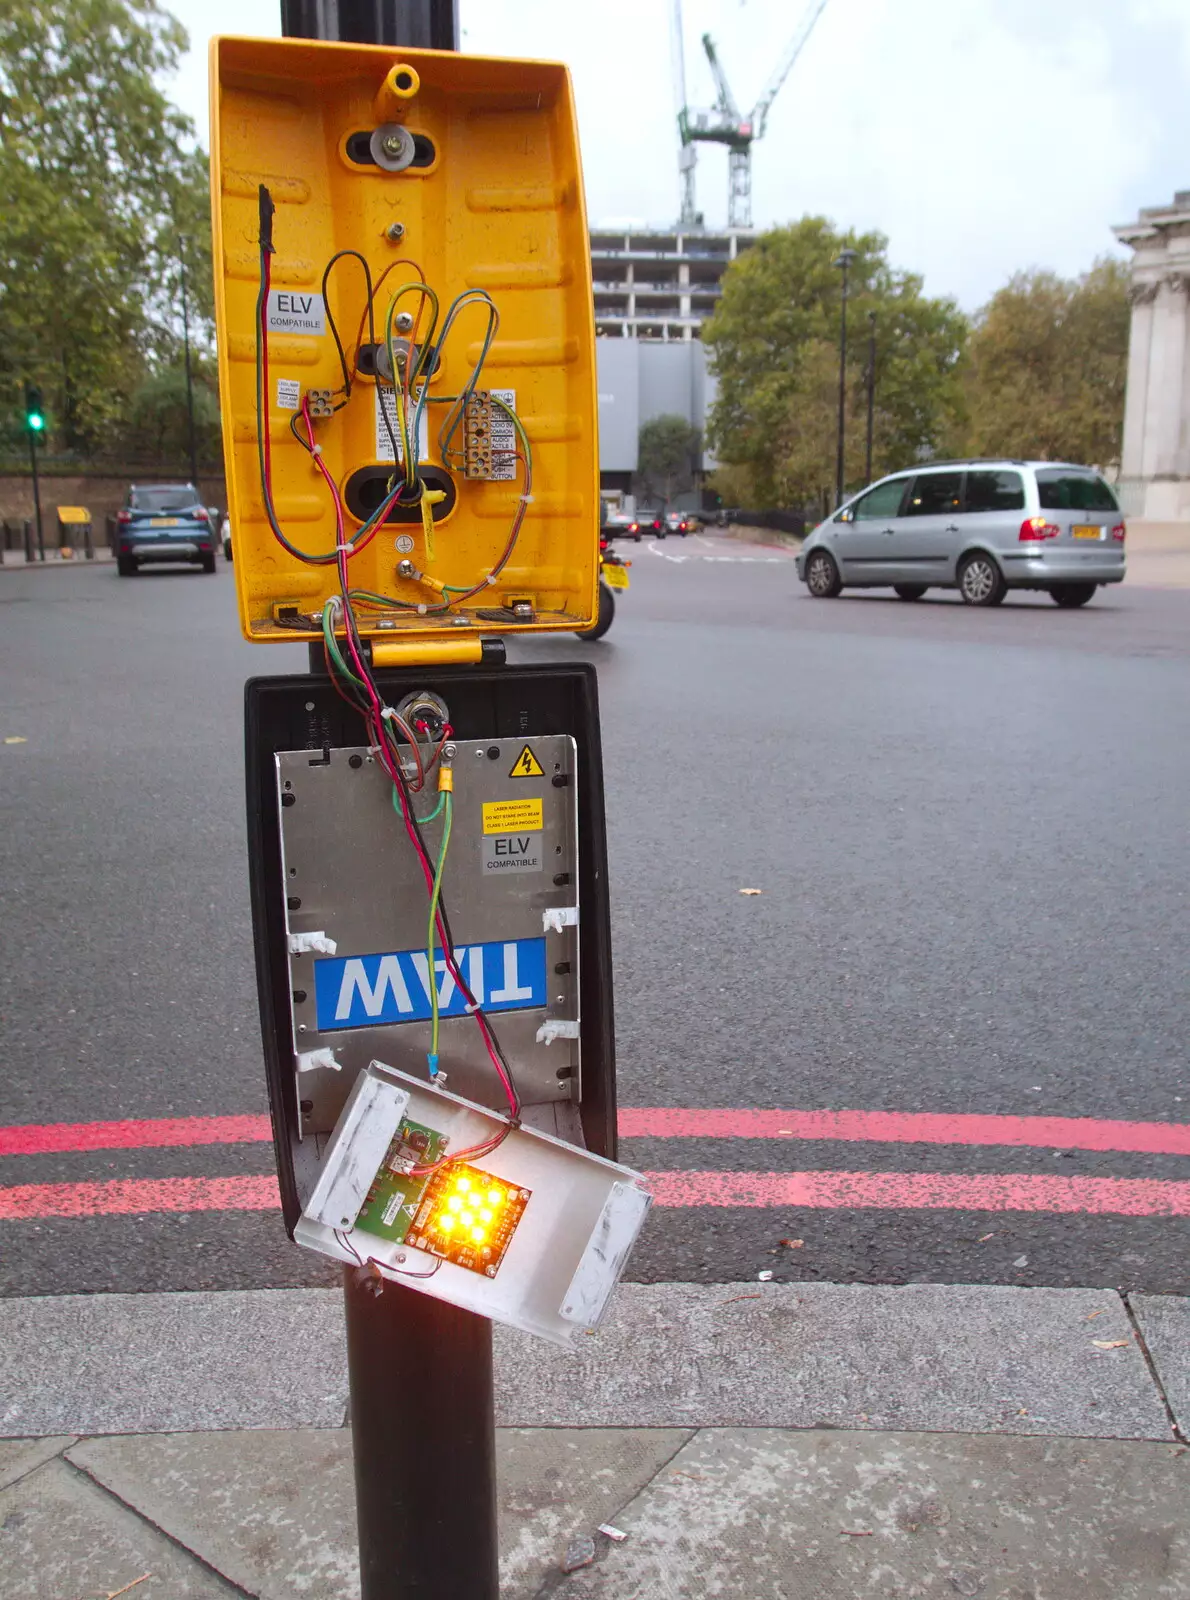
(395, 230)
(391, 144)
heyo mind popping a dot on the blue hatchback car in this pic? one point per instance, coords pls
(163, 522)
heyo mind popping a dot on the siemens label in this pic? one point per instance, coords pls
(394, 986)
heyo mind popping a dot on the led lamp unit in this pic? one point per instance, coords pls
(421, 1187)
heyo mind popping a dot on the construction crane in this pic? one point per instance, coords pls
(723, 123)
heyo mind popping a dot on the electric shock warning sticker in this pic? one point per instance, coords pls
(526, 765)
(512, 816)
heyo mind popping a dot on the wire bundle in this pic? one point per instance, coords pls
(348, 665)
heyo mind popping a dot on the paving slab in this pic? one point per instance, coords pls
(126, 1363)
(1165, 1323)
(275, 1512)
(21, 1456)
(920, 1356)
(923, 1356)
(61, 1538)
(762, 1515)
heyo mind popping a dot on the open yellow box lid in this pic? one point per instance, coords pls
(458, 172)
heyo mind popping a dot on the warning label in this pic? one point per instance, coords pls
(526, 765)
(511, 852)
(291, 312)
(512, 816)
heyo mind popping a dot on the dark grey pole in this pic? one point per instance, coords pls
(422, 1404)
(36, 492)
(871, 393)
(843, 260)
(189, 379)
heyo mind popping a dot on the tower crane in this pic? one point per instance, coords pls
(723, 123)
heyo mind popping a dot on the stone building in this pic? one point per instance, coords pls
(1155, 459)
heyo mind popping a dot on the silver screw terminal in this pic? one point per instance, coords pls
(395, 231)
(406, 569)
(391, 144)
(404, 321)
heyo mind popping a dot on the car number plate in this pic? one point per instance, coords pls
(1084, 530)
(615, 577)
(164, 522)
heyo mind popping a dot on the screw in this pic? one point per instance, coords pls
(299, 996)
(391, 144)
(561, 877)
(559, 780)
(306, 1107)
(493, 752)
(294, 903)
(395, 231)
(355, 761)
(404, 321)
(449, 751)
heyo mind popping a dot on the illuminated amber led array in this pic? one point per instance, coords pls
(468, 1217)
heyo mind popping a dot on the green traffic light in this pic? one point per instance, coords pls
(36, 423)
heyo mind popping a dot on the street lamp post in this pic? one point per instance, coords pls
(843, 260)
(871, 375)
(189, 378)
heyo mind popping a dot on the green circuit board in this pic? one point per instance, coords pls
(395, 1194)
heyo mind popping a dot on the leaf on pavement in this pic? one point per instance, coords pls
(751, 891)
(1109, 1344)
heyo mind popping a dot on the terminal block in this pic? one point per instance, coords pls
(320, 402)
(477, 435)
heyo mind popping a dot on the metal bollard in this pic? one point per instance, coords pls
(28, 539)
(88, 541)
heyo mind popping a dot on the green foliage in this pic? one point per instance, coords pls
(159, 419)
(1046, 367)
(100, 175)
(667, 455)
(774, 340)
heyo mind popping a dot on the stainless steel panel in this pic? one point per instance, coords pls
(351, 872)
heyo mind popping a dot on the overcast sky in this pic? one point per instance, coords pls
(981, 136)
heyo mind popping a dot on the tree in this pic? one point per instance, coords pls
(159, 422)
(774, 341)
(100, 175)
(1046, 367)
(667, 455)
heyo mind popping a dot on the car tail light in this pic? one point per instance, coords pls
(633, 527)
(1119, 531)
(1039, 528)
(201, 515)
(124, 517)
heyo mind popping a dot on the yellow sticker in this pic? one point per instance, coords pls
(526, 765)
(502, 816)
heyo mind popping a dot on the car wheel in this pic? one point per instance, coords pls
(1069, 595)
(636, 538)
(909, 591)
(607, 615)
(981, 583)
(126, 566)
(822, 575)
(208, 562)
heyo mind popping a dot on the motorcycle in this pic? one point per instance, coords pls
(613, 575)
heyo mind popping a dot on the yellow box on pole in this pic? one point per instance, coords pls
(459, 450)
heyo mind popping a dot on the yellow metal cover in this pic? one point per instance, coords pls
(488, 197)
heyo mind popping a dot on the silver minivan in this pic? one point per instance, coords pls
(981, 527)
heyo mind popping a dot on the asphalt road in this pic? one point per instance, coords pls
(969, 830)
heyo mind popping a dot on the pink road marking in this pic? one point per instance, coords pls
(129, 1196)
(908, 1191)
(905, 1127)
(45, 1138)
(913, 1191)
(669, 1122)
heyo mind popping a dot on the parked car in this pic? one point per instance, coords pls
(163, 522)
(982, 527)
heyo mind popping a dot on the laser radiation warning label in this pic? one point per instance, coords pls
(526, 765)
(512, 816)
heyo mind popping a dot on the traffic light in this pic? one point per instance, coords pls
(34, 410)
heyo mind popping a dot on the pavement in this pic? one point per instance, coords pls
(745, 1441)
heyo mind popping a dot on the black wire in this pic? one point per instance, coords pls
(341, 255)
